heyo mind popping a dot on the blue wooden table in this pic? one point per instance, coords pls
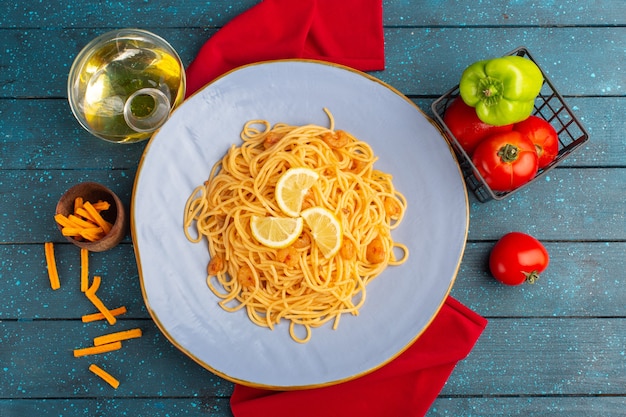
(555, 348)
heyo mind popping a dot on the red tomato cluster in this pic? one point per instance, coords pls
(505, 156)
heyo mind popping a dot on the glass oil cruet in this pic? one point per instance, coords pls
(124, 84)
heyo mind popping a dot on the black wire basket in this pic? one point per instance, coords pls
(549, 105)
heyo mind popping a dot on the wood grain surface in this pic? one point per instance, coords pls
(556, 348)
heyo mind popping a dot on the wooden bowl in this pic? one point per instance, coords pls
(116, 214)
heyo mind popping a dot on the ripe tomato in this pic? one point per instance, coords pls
(543, 135)
(506, 160)
(518, 257)
(466, 127)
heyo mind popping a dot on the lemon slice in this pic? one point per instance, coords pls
(325, 228)
(291, 188)
(276, 232)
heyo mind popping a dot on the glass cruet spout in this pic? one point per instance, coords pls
(146, 110)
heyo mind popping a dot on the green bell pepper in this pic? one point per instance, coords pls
(503, 90)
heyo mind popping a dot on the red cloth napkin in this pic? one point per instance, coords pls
(348, 32)
(406, 387)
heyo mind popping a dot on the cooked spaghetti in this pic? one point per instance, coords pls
(297, 283)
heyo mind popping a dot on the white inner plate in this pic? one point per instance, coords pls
(400, 303)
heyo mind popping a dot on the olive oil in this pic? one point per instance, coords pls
(104, 84)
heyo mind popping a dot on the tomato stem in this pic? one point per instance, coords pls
(508, 153)
(531, 277)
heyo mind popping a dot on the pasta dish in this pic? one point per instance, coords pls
(298, 222)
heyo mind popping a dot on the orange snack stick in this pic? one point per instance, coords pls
(88, 318)
(95, 300)
(101, 307)
(106, 226)
(51, 263)
(85, 215)
(107, 377)
(78, 203)
(101, 205)
(80, 222)
(84, 269)
(62, 220)
(96, 350)
(71, 231)
(92, 234)
(95, 284)
(117, 337)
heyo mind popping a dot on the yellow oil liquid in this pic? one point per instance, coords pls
(117, 70)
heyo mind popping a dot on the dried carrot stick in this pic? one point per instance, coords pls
(88, 318)
(92, 234)
(71, 231)
(80, 222)
(62, 220)
(85, 215)
(95, 284)
(78, 203)
(101, 205)
(95, 350)
(107, 377)
(95, 300)
(84, 269)
(101, 307)
(53, 273)
(106, 226)
(117, 337)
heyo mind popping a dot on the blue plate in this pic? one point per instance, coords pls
(400, 303)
